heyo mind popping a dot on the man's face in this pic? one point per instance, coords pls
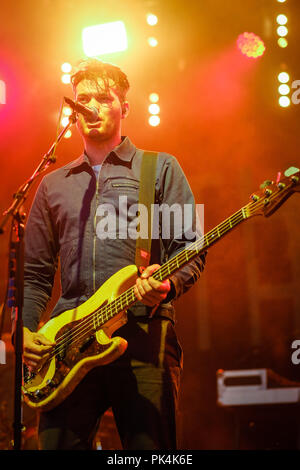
(110, 110)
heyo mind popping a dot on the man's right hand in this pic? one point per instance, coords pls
(36, 349)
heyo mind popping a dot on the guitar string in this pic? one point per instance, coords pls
(112, 308)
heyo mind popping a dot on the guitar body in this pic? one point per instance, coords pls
(79, 351)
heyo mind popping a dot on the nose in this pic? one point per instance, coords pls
(94, 104)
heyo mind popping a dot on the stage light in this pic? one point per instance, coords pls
(152, 19)
(66, 78)
(283, 77)
(153, 97)
(67, 111)
(282, 31)
(281, 19)
(68, 134)
(281, 1)
(64, 121)
(154, 120)
(104, 38)
(66, 67)
(284, 101)
(282, 42)
(284, 89)
(2, 92)
(152, 42)
(251, 45)
(154, 108)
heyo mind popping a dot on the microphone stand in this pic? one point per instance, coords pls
(16, 276)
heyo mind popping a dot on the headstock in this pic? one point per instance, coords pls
(272, 194)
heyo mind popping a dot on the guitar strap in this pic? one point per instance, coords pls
(146, 198)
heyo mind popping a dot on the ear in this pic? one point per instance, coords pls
(125, 109)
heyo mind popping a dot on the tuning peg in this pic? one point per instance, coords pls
(280, 186)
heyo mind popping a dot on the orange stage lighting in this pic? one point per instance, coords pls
(64, 121)
(284, 89)
(284, 101)
(251, 45)
(104, 38)
(68, 134)
(281, 19)
(152, 19)
(283, 77)
(66, 67)
(67, 111)
(282, 31)
(154, 108)
(282, 42)
(66, 78)
(153, 97)
(154, 120)
(152, 42)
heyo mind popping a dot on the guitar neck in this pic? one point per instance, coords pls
(201, 245)
(128, 297)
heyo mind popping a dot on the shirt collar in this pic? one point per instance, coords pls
(125, 151)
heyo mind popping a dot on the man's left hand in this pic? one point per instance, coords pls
(150, 291)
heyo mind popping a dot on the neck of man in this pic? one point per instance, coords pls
(98, 150)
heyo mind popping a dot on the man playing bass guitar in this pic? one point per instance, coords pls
(142, 385)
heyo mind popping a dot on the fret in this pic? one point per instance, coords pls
(110, 313)
(245, 212)
(206, 243)
(238, 217)
(126, 302)
(158, 275)
(226, 226)
(173, 264)
(94, 317)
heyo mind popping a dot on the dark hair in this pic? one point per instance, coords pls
(93, 69)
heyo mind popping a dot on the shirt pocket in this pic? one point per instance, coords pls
(123, 193)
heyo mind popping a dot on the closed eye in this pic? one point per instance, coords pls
(83, 99)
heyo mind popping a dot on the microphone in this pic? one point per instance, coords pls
(90, 114)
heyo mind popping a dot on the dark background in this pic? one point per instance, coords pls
(220, 117)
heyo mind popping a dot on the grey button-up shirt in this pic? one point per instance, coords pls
(63, 223)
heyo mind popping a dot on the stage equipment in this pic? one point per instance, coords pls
(264, 406)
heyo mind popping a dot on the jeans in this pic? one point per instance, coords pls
(142, 387)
